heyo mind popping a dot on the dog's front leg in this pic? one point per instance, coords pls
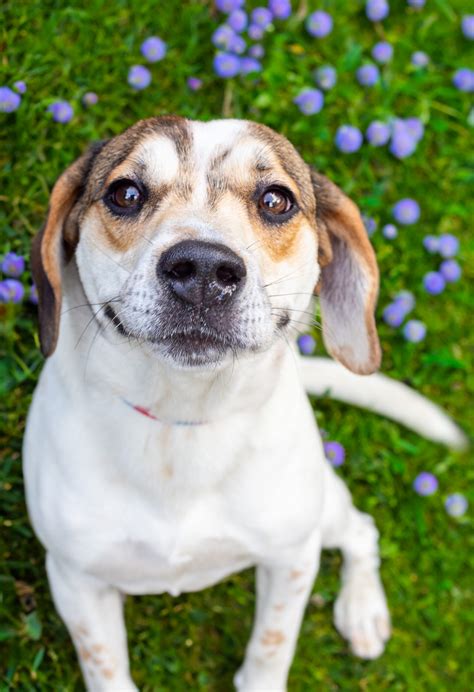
(282, 594)
(93, 614)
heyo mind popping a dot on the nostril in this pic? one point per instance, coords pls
(227, 275)
(182, 270)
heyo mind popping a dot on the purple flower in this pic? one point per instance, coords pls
(310, 101)
(419, 59)
(90, 98)
(348, 139)
(9, 100)
(229, 5)
(431, 243)
(261, 16)
(194, 83)
(222, 36)
(249, 65)
(139, 77)
(13, 264)
(61, 111)
(368, 75)
(153, 49)
(463, 79)
(467, 26)
(456, 505)
(326, 77)
(20, 86)
(406, 299)
(281, 9)
(414, 331)
(226, 65)
(394, 314)
(434, 283)
(33, 296)
(319, 24)
(448, 245)
(389, 231)
(237, 45)
(425, 483)
(257, 51)
(11, 291)
(255, 32)
(402, 144)
(417, 4)
(450, 270)
(382, 52)
(376, 10)
(370, 224)
(414, 127)
(378, 133)
(335, 452)
(237, 20)
(306, 344)
(406, 211)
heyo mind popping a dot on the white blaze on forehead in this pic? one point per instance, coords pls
(158, 154)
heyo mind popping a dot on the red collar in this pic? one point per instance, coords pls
(146, 412)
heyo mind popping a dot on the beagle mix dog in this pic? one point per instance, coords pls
(170, 442)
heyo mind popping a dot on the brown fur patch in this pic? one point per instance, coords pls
(272, 638)
(295, 574)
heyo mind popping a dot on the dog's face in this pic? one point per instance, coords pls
(206, 240)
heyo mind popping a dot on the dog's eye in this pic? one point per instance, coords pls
(276, 201)
(124, 196)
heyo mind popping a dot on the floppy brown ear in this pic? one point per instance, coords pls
(349, 282)
(54, 244)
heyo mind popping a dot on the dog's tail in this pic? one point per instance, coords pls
(382, 395)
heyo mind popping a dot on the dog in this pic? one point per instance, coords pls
(170, 442)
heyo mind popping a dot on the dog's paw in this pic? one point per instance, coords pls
(245, 682)
(361, 615)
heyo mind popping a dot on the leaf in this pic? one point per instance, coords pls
(33, 625)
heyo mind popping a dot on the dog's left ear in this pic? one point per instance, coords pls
(55, 243)
(349, 282)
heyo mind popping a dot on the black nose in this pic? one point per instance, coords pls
(202, 273)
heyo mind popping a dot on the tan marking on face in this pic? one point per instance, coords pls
(273, 638)
(296, 574)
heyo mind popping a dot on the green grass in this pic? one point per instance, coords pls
(196, 641)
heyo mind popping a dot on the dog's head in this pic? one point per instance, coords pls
(203, 240)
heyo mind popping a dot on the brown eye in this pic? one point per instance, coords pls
(276, 201)
(124, 196)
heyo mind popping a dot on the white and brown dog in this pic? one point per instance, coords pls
(170, 441)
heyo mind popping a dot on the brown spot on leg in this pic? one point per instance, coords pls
(97, 648)
(84, 653)
(295, 574)
(279, 606)
(273, 638)
(107, 673)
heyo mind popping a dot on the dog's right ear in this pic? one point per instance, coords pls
(55, 243)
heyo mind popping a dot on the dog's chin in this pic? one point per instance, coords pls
(194, 350)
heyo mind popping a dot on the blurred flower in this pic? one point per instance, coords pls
(9, 100)
(406, 211)
(431, 243)
(153, 49)
(13, 264)
(310, 101)
(261, 16)
(370, 224)
(406, 299)
(419, 59)
(378, 133)
(255, 32)
(414, 331)
(425, 483)
(237, 44)
(326, 77)
(414, 127)
(257, 51)
(11, 291)
(237, 20)
(20, 86)
(389, 231)
(281, 9)
(418, 4)
(306, 344)
(139, 77)
(456, 505)
(448, 245)
(402, 143)
(463, 79)
(226, 65)
(368, 75)
(222, 36)
(249, 65)
(319, 24)
(229, 5)
(382, 52)
(376, 10)
(90, 98)
(33, 297)
(467, 26)
(335, 452)
(394, 314)
(348, 139)
(61, 111)
(434, 283)
(450, 270)
(194, 83)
